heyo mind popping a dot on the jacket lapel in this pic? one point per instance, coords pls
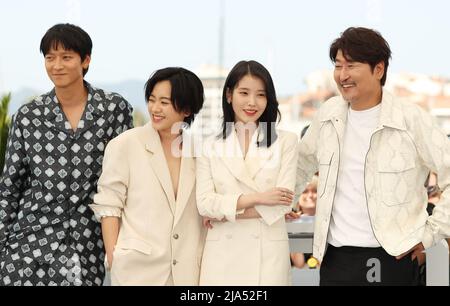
(185, 185)
(230, 153)
(258, 157)
(159, 164)
(391, 113)
(55, 117)
(337, 115)
(93, 110)
(340, 119)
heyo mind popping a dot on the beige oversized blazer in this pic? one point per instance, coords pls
(161, 238)
(254, 251)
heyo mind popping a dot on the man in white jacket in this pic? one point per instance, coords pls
(373, 153)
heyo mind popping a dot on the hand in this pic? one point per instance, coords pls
(249, 213)
(298, 260)
(276, 196)
(109, 260)
(292, 215)
(207, 222)
(416, 252)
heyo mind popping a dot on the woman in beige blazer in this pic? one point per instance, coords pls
(146, 201)
(245, 180)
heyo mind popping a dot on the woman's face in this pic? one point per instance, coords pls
(248, 99)
(162, 113)
(308, 198)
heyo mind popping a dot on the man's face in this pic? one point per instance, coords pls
(356, 81)
(64, 67)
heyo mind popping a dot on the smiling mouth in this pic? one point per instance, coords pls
(250, 112)
(157, 118)
(345, 86)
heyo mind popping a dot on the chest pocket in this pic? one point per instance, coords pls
(325, 159)
(396, 178)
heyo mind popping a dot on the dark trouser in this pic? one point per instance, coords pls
(355, 266)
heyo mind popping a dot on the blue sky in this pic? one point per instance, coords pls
(291, 37)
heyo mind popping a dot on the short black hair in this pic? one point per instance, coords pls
(70, 37)
(270, 114)
(363, 45)
(187, 94)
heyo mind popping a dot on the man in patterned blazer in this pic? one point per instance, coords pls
(48, 235)
(373, 153)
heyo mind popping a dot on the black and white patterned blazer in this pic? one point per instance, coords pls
(50, 177)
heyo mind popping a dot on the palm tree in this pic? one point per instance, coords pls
(5, 122)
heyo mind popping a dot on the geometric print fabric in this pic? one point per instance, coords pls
(48, 235)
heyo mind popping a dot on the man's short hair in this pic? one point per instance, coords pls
(363, 45)
(70, 37)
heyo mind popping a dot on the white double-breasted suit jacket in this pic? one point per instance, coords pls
(245, 251)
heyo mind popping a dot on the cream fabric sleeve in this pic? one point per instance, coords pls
(209, 203)
(113, 183)
(286, 179)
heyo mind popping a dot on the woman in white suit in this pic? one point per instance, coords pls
(152, 231)
(245, 180)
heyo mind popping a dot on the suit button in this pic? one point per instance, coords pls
(175, 262)
(229, 236)
(176, 236)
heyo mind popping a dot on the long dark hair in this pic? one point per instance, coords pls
(268, 118)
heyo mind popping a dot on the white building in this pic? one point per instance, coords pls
(209, 120)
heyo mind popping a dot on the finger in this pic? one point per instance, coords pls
(411, 251)
(285, 190)
(295, 216)
(286, 198)
(292, 215)
(400, 256)
(416, 254)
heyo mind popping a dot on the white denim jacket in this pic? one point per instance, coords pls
(404, 148)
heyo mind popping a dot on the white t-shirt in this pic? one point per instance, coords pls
(350, 223)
